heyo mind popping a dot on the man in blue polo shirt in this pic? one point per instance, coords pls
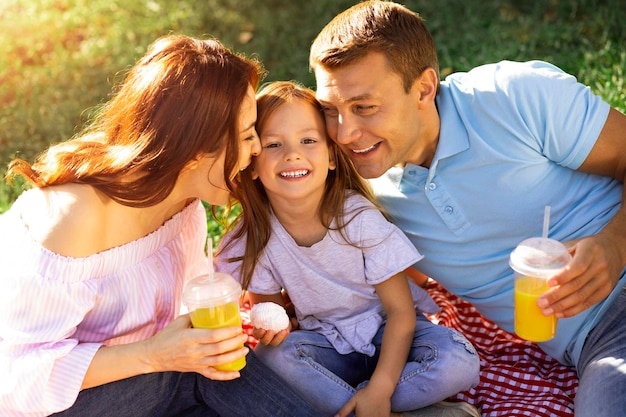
(466, 166)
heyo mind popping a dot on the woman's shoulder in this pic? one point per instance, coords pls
(63, 218)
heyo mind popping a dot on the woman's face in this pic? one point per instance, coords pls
(212, 189)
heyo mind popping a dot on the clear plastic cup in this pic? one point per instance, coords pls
(213, 303)
(534, 261)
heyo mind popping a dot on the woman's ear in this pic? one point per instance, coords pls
(191, 165)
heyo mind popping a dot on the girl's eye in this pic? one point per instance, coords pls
(271, 145)
(308, 140)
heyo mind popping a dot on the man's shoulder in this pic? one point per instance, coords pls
(502, 75)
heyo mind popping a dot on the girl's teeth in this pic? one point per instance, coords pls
(294, 174)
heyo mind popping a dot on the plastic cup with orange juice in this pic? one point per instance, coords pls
(213, 303)
(534, 261)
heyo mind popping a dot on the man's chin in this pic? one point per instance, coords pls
(369, 171)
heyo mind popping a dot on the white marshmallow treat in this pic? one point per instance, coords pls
(269, 316)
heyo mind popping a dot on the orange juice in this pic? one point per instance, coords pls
(530, 323)
(225, 315)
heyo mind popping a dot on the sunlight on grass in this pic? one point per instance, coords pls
(60, 58)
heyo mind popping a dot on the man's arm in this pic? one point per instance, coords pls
(597, 259)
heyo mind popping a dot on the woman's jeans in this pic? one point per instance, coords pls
(258, 392)
(441, 363)
(602, 366)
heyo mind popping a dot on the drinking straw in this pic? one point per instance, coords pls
(211, 271)
(546, 221)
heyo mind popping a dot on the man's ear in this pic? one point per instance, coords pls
(425, 87)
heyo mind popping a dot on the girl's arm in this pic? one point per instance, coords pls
(269, 337)
(375, 398)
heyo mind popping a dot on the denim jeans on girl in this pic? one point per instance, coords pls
(441, 363)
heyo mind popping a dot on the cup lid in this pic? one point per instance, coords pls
(210, 290)
(539, 257)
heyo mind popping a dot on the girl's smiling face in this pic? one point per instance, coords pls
(295, 158)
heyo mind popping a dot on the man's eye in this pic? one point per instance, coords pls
(362, 109)
(330, 111)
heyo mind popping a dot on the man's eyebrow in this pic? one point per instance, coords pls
(360, 97)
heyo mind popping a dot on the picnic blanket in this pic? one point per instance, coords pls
(516, 378)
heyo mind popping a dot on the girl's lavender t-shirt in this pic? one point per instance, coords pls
(331, 283)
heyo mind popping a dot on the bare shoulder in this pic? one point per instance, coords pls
(65, 218)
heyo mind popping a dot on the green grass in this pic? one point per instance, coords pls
(60, 58)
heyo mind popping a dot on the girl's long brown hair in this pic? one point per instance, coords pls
(254, 220)
(181, 100)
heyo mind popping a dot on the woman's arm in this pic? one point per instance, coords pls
(177, 347)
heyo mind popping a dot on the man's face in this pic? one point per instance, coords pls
(372, 118)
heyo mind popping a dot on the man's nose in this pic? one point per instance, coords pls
(347, 129)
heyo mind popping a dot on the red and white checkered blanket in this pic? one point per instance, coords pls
(516, 377)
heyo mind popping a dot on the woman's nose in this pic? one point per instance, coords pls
(256, 146)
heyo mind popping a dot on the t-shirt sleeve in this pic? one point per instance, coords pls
(262, 281)
(386, 250)
(228, 251)
(564, 118)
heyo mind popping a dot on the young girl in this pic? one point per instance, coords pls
(94, 257)
(310, 228)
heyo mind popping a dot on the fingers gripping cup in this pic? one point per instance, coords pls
(213, 303)
(534, 261)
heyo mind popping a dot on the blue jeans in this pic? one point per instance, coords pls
(440, 364)
(258, 392)
(602, 366)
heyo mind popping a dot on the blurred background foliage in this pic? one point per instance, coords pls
(60, 58)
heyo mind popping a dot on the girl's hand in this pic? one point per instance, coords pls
(270, 337)
(181, 348)
(366, 404)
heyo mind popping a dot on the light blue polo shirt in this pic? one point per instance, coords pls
(512, 136)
